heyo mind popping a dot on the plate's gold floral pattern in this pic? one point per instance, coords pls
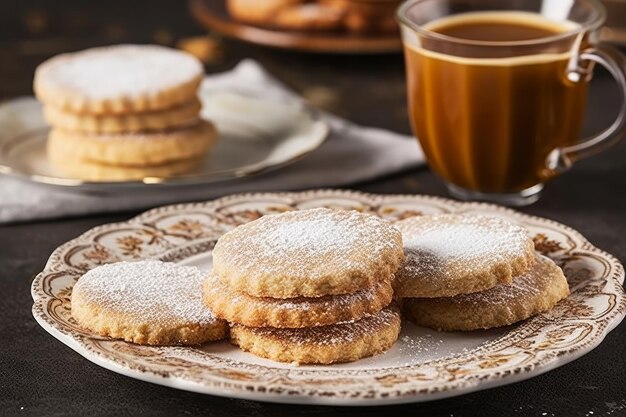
(575, 326)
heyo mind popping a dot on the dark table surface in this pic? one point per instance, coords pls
(41, 376)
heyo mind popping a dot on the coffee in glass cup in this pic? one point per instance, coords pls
(497, 90)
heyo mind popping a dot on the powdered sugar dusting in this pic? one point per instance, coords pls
(307, 244)
(464, 237)
(318, 234)
(123, 70)
(416, 346)
(154, 292)
(440, 245)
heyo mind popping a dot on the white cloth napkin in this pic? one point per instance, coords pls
(351, 154)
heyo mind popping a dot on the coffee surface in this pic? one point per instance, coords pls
(498, 26)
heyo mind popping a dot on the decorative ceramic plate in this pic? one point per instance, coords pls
(423, 365)
(272, 133)
(212, 14)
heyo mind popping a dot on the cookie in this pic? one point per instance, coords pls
(344, 342)
(366, 16)
(146, 302)
(119, 79)
(132, 149)
(451, 254)
(361, 23)
(92, 171)
(240, 308)
(531, 293)
(308, 253)
(308, 16)
(257, 12)
(179, 116)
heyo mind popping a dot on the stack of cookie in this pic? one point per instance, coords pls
(123, 112)
(317, 286)
(311, 286)
(473, 272)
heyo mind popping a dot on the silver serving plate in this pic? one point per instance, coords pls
(256, 135)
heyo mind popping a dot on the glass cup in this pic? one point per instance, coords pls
(498, 118)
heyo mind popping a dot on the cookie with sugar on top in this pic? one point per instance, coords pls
(146, 302)
(119, 79)
(451, 254)
(308, 253)
(535, 291)
(308, 16)
(258, 12)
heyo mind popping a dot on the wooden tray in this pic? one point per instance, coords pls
(212, 14)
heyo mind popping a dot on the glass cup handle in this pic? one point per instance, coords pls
(610, 58)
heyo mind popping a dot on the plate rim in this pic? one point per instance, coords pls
(70, 184)
(146, 375)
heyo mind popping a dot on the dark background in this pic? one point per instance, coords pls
(41, 376)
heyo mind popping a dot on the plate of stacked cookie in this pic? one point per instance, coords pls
(328, 26)
(130, 116)
(331, 297)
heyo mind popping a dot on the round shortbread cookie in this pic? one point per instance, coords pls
(535, 291)
(308, 16)
(344, 342)
(133, 149)
(119, 79)
(366, 16)
(92, 171)
(308, 253)
(146, 302)
(362, 23)
(179, 116)
(451, 254)
(257, 12)
(240, 308)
